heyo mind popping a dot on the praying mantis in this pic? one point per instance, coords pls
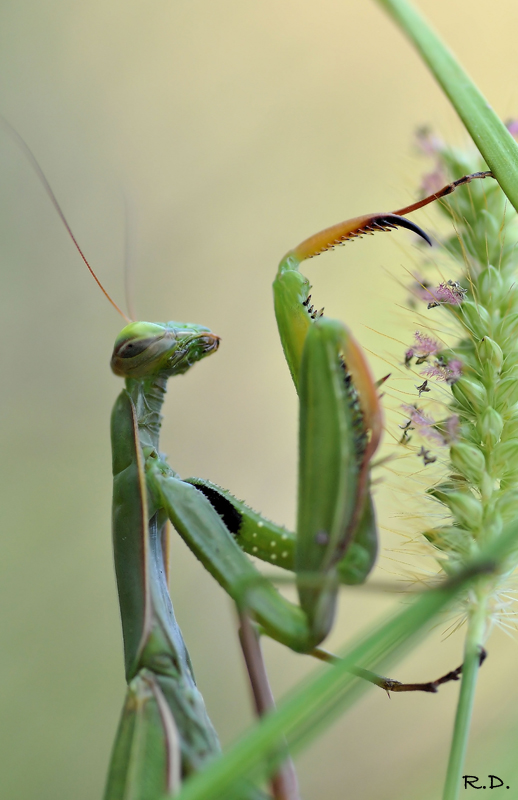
(340, 430)
(165, 733)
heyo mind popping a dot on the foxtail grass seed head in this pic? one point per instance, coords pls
(462, 428)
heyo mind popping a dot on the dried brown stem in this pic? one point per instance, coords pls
(284, 782)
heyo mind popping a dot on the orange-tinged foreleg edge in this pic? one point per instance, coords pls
(352, 229)
(371, 223)
(367, 389)
(365, 385)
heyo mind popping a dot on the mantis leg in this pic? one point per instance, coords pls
(260, 537)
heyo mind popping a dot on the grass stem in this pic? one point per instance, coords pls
(474, 643)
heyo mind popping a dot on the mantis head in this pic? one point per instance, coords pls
(149, 349)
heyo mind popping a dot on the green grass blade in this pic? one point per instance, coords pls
(490, 135)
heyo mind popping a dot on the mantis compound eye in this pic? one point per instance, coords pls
(134, 348)
(138, 346)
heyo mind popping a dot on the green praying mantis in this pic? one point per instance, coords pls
(165, 733)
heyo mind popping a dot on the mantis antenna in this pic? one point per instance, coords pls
(129, 249)
(31, 158)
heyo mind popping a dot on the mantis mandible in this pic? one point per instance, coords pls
(165, 733)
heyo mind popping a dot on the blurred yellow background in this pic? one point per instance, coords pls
(235, 129)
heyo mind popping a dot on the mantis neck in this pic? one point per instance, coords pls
(148, 396)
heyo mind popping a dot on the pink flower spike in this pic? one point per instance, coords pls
(512, 127)
(425, 345)
(417, 416)
(423, 424)
(450, 292)
(450, 373)
(437, 371)
(447, 294)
